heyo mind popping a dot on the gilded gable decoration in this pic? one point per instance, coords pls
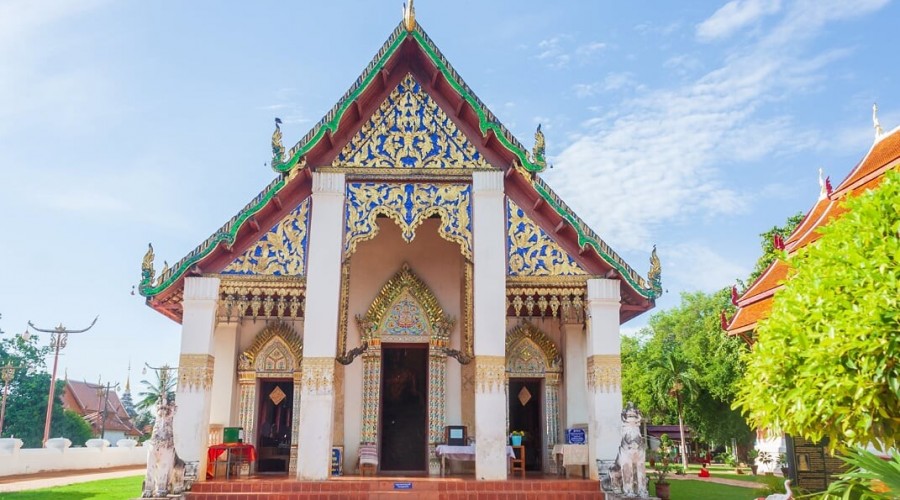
(281, 251)
(409, 205)
(410, 131)
(531, 251)
(530, 351)
(277, 348)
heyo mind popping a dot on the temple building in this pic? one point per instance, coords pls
(406, 270)
(812, 466)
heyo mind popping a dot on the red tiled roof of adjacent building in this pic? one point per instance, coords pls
(83, 398)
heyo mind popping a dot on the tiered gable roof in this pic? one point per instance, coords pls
(361, 135)
(756, 302)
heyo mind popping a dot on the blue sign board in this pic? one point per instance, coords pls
(576, 436)
(403, 486)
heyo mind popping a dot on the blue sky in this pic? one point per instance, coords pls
(692, 125)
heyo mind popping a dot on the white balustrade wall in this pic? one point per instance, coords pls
(59, 456)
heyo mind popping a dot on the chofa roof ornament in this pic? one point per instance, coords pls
(654, 275)
(875, 123)
(409, 16)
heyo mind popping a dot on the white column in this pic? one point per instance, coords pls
(320, 324)
(575, 364)
(225, 347)
(489, 283)
(604, 371)
(195, 373)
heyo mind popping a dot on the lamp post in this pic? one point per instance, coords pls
(58, 339)
(8, 372)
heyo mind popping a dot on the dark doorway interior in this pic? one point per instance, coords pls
(404, 409)
(273, 441)
(527, 417)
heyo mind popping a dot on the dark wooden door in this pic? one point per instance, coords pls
(526, 414)
(404, 408)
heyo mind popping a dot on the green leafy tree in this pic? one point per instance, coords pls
(164, 383)
(74, 427)
(770, 253)
(676, 380)
(827, 360)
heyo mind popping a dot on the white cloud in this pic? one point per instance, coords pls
(695, 266)
(655, 159)
(612, 82)
(590, 49)
(735, 15)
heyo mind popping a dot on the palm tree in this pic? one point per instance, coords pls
(675, 379)
(164, 385)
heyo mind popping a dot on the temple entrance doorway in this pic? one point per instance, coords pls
(525, 414)
(273, 440)
(404, 408)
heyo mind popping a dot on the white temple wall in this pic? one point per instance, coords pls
(224, 386)
(439, 264)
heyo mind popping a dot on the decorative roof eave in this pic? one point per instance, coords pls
(873, 164)
(329, 124)
(761, 287)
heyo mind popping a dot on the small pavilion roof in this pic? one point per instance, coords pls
(756, 302)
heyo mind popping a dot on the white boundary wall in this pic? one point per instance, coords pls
(15, 461)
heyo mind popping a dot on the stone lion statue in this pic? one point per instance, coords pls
(165, 471)
(628, 475)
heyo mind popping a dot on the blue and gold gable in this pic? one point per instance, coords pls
(410, 131)
(279, 252)
(531, 251)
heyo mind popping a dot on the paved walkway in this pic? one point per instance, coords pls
(62, 478)
(720, 480)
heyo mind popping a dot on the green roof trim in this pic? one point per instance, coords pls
(587, 237)
(226, 234)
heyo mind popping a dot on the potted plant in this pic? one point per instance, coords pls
(652, 458)
(660, 472)
(752, 455)
(515, 437)
(782, 462)
(767, 459)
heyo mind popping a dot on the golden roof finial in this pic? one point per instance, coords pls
(875, 123)
(409, 16)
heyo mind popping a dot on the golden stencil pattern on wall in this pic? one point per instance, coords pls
(409, 205)
(281, 251)
(531, 251)
(318, 376)
(410, 131)
(195, 371)
(490, 373)
(604, 373)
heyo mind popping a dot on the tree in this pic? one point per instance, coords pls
(826, 363)
(164, 384)
(770, 253)
(675, 379)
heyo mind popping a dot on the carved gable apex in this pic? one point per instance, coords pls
(279, 252)
(531, 251)
(410, 131)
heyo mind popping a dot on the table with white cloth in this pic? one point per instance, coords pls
(461, 453)
(571, 454)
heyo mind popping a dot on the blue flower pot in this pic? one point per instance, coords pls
(516, 440)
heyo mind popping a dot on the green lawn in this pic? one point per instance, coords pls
(699, 490)
(109, 489)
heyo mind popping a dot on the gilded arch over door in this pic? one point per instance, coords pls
(405, 293)
(530, 353)
(276, 352)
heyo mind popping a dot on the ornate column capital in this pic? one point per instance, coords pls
(601, 290)
(487, 182)
(327, 184)
(201, 288)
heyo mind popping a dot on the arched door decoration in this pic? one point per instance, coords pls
(405, 311)
(276, 352)
(530, 353)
